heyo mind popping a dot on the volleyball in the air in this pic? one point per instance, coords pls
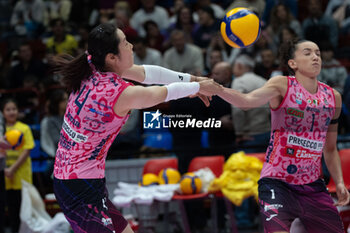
(169, 176)
(190, 184)
(240, 27)
(14, 137)
(149, 179)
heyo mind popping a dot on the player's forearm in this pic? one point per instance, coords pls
(236, 98)
(21, 159)
(334, 166)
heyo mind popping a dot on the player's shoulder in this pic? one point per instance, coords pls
(279, 81)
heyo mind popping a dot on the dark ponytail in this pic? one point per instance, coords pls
(102, 40)
(287, 52)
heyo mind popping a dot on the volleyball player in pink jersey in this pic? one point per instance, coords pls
(97, 108)
(304, 121)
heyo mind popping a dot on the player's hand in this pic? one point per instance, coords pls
(198, 78)
(343, 195)
(205, 99)
(4, 144)
(9, 173)
(209, 87)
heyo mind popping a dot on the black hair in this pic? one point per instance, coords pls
(102, 40)
(6, 101)
(208, 10)
(287, 52)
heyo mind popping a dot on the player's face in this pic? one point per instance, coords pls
(307, 59)
(10, 112)
(126, 52)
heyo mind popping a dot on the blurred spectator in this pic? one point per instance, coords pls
(154, 38)
(82, 37)
(185, 22)
(257, 6)
(27, 67)
(219, 13)
(61, 42)
(122, 15)
(27, 17)
(292, 5)
(221, 140)
(4, 72)
(339, 10)
(18, 163)
(217, 44)
(182, 56)
(82, 12)
(149, 11)
(319, 27)
(208, 27)
(282, 17)
(332, 72)
(6, 9)
(144, 54)
(57, 9)
(50, 127)
(178, 5)
(267, 65)
(252, 127)
(287, 34)
(214, 56)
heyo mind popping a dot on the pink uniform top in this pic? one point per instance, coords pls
(89, 127)
(299, 129)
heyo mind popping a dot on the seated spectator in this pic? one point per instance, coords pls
(332, 72)
(61, 42)
(213, 57)
(50, 126)
(219, 13)
(257, 6)
(252, 127)
(149, 11)
(221, 140)
(122, 15)
(154, 38)
(57, 9)
(339, 10)
(27, 17)
(287, 34)
(182, 56)
(267, 65)
(174, 11)
(184, 21)
(217, 45)
(319, 27)
(292, 5)
(282, 17)
(144, 54)
(27, 66)
(208, 27)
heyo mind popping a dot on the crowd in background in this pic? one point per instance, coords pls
(182, 35)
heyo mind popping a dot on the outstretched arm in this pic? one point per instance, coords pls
(273, 89)
(150, 74)
(138, 97)
(331, 156)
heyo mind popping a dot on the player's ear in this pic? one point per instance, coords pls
(292, 64)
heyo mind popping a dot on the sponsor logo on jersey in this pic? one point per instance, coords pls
(295, 112)
(72, 134)
(305, 143)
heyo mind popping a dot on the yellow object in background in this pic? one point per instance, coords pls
(14, 137)
(239, 179)
(190, 184)
(149, 179)
(169, 176)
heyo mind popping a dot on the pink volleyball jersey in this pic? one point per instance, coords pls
(299, 128)
(89, 127)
